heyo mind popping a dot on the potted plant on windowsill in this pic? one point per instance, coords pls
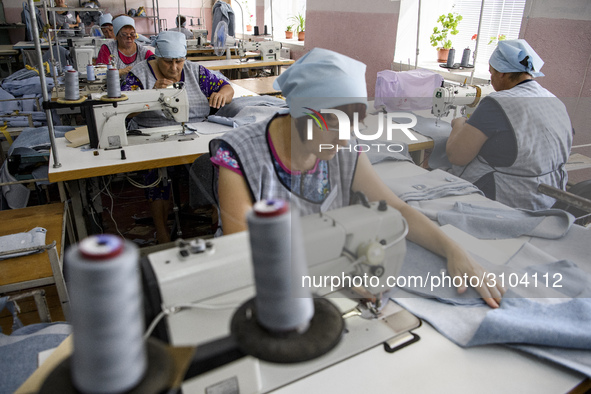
(300, 24)
(289, 32)
(448, 24)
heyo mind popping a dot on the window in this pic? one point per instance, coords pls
(283, 11)
(500, 17)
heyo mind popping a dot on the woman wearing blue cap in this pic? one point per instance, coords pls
(205, 91)
(518, 137)
(124, 52)
(106, 25)
(281, 158)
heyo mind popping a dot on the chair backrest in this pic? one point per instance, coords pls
(201, 174)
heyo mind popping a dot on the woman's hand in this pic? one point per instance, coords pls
(123, 71)
(222, 97)
(460, 264)
(163, 83)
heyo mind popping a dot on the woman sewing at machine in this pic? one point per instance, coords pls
(205, 91)
(518, 137)
(124, 51)
(277, 158)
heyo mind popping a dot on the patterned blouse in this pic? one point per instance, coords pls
(313, 185)
(208, 81)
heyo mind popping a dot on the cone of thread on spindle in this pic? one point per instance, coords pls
(450, 57)
(113, 83)
(72, 85)
(465, 57)
(109, 353)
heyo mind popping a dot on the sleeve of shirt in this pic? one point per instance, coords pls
(131, 82)
(104, 55)
(489, 118)
(209, 82)
(226, 157)
(149, 54)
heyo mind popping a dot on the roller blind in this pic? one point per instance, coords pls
(499, 17)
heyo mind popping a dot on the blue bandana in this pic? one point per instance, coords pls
(122, 21)
(170, 45)
(322, 79)
(516, 56)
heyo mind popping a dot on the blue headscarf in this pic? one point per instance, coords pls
(106, 19)
(322, 79)
(516, 56)
(170, 45)
(121, 21)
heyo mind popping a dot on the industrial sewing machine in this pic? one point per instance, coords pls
(199, 284)
(109, 118)
(464, 98)
(200, 40)
(269, 50)
(84, 50)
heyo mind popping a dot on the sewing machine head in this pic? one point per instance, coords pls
(84, 50)
(355, 246)
(200, 39)
(269, 50)
(110, 117)
(463, 99)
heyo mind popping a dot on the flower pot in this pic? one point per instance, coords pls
(288, 34)
(301, 35)
(442, 55)
(248, 27)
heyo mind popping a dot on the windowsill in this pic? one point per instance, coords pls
(284, 41)
(450, 75)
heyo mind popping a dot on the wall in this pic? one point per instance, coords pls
(560, 32)
(351, 27)
(168, 10)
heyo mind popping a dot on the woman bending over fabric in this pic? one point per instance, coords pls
(279, 158)
(204, 89)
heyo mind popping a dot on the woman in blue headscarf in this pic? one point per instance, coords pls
(308, 163)
(168, 66)
(204, 89)
(518, 137)
(124, 52)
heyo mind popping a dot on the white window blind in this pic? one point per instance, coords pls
(499, 17)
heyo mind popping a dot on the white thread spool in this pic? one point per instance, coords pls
(68, 67)
(90, 73)
(113, 83)
(72, 85)
(282, 304)
(106, 302)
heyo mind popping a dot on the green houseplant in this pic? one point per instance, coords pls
(289, 32)
(300, 25)
(447, 24)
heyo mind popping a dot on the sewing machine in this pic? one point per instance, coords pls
(110, 117)
(464, 98)
(84, 50)
(269, 50)
(200, 283)
(200, 39)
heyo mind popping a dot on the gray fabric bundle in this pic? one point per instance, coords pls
(491, 223)
(29, 239)
(537, 316)
(431, 185)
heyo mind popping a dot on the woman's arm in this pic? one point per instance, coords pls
(464, 142)
(234, 200)
(423, 231)
(104, 55)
